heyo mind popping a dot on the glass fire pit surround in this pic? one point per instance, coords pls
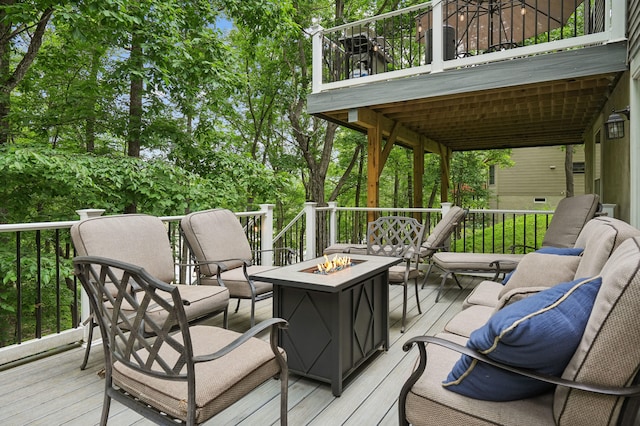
(336, 320)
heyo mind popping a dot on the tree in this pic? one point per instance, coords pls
(568, 170)
(22, 29)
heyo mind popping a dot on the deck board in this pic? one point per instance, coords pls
(53, 390)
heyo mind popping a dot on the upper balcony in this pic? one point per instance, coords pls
(512, 72)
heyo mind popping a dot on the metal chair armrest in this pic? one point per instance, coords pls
(252, 332)
(421, 341)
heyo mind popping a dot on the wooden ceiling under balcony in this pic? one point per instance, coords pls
(542, 100)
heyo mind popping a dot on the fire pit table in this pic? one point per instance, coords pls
(337, 320)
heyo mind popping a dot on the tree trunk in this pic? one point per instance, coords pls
(9, 80)
(90, 126)
(568, 170)
(135, 95)
(135, 102)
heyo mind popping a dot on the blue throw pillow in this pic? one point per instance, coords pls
(572, 251)
(539, 333)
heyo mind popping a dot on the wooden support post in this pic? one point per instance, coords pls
(445, 172)
(374, 140)
(418, 172)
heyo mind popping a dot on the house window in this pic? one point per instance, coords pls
(492, 175)
(578, 167)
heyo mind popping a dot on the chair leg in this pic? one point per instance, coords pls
(253, 311)
(457, 282)
(106, 405)
(404, 307)
(417, 297)
(444, 278)
(426, 276)
(237, 306)
(284, 391)
(225, 318)
(92, 325)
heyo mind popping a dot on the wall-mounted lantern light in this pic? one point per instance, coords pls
(615, 123)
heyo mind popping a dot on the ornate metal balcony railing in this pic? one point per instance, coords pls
(404, 42)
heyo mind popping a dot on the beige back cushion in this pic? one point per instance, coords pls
(134, 238)
(216, 235)
(599, 238)
(609, 353)
(569, 218)
(445, 227)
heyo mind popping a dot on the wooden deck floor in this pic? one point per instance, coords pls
(53, 390)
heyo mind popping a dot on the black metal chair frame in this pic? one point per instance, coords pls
(124, 334)
(631, 393)
(398, 236)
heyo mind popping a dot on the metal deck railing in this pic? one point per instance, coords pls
(410, 41)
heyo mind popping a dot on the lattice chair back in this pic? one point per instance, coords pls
(124, 315)
(395, 236)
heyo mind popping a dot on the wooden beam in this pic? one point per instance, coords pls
(391, 140)
(391, 129)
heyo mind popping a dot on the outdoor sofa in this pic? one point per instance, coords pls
(560, 347)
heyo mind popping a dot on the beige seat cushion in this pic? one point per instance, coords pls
(237, 284)
(469, 320)
(485, 294)
(199, 302)
(429, 403)
(339, 248)
(219, 383)
(396, 273)
(480, 262)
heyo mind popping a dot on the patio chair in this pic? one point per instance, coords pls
(188, 375)
(398, 236)
(142, 240)
(568, 355)
(223, 256)
(439, 237)
(569, 218)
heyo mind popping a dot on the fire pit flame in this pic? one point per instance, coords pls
(336, 264)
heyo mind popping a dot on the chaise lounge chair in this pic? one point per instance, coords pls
(569, 218)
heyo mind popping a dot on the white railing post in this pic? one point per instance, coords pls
(333, 222)
(87, 213)
(437, 61)
(445, 207)
(616, 21)
(310, 220)
(316, 64)
(85, 308)
(266, 234)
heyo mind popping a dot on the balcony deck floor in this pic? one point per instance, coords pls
(53, 390)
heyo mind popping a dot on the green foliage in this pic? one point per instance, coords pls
(501, 235)
(48, 185)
